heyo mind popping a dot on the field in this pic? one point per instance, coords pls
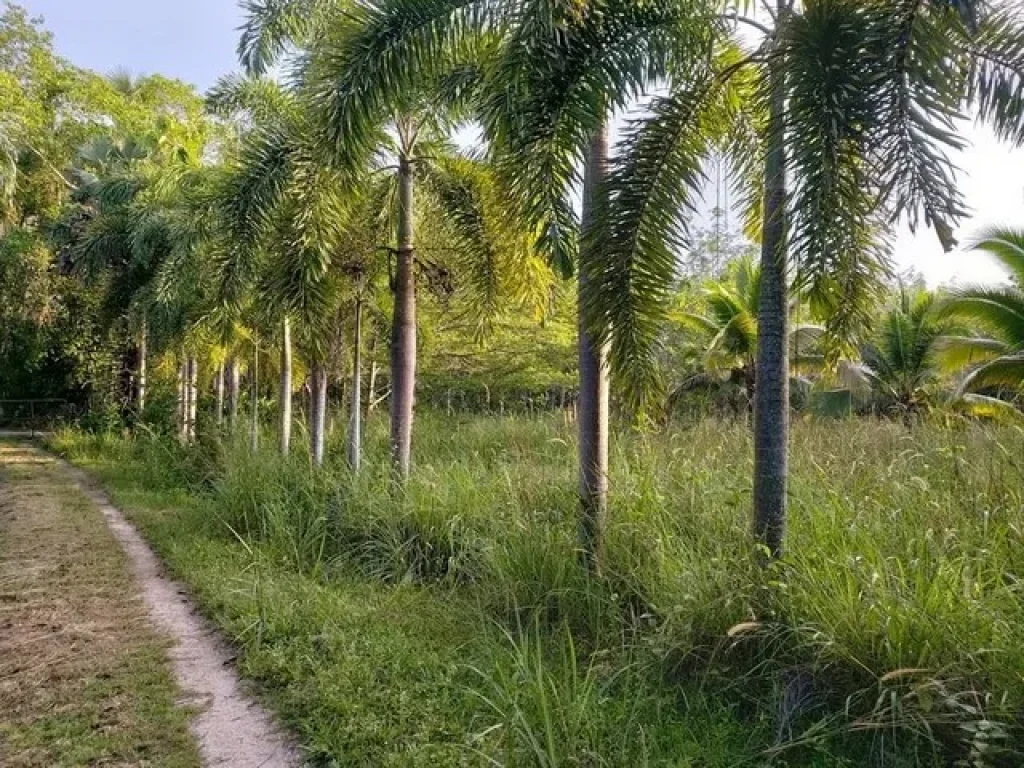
(450, 623)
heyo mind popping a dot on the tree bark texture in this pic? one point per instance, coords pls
(771, 395)
(403, 330)
(593, 373)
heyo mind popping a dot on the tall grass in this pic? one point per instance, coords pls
(892, 634)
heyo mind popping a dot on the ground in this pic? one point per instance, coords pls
(84, 678)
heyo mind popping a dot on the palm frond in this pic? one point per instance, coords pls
(957, 352)
(998, 309)
(1004, 244)
(985, 406)
(271, 27)
(836, 242)
(260, 98)
(997, 77)
(651, 191)
(1006, 371)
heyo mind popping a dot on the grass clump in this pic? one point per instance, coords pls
(892, 634)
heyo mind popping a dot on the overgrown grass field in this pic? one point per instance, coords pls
(450, 623)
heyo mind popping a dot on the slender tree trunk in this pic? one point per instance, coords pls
(181, 412)
(254, 406)
(219, 388)
(285, 394)
(593, 418)
(371, 387)
(140, 381)
(234, 385)
(193, 396)
(355, 425)
(403, 330)
(318, 411)
(771, 395)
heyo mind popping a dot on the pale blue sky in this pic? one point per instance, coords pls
(194, 40)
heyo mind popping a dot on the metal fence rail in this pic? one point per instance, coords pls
(32, 414)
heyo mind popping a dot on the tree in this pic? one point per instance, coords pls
(857, 112)
(902, 363)
(996, 361)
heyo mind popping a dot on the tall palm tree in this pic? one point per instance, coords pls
(996, 361)
(858, 110)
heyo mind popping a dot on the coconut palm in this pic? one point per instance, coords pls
(996, 361)
(858, 110)
(727, 329)
(902, 363)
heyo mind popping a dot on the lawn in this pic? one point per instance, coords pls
(450, 623)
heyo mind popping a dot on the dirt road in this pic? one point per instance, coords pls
(102, 658)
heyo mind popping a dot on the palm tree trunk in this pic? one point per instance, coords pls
(593, 415)
(140, 382)
(403, 329)
(254, 406)
(219, 387)
(193, 396)
(771, 395)
(234, 384)
(371, 385)
(285, 395)
(181, 409)
(355, 426)
(318, 411)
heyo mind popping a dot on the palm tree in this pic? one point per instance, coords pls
(902, 364)
(731, 324)
(996, 362)
(858, 114)
(728, 327)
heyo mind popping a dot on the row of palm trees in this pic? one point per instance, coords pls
(838, 121)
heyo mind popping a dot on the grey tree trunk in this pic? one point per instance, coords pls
(403, 330)
(355, 425)
(181, 412)
(234, 385)
(192, 397)
(254, 409)
(371, 385)
(318, 411)
(285, 393)
(219, 388)
(771, 395)
(140, 381)
(593, 398)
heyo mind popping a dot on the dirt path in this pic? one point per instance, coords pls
(232, 731)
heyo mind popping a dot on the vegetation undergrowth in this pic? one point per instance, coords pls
(450, 623)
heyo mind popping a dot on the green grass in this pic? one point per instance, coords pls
(450, 623)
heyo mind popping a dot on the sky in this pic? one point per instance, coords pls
(194, 40)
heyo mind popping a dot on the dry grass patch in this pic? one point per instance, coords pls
(84, 680)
